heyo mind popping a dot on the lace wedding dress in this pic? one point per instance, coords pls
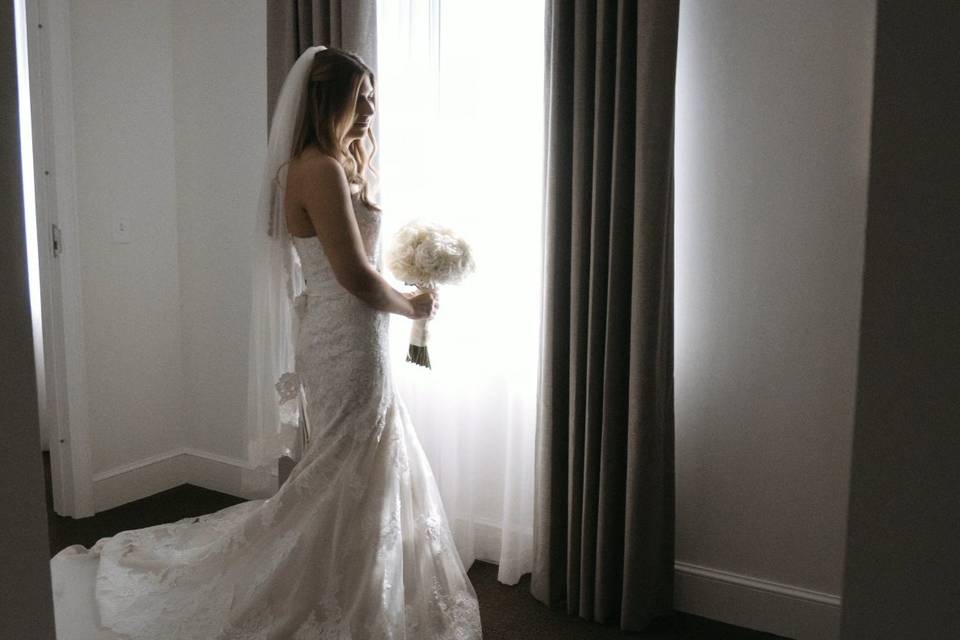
(355, 545)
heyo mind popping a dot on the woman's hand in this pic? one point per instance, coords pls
(424, 302)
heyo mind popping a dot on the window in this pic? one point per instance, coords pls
(460, 108)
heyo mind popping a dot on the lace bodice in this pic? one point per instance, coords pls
(317, 274)
(342, 343)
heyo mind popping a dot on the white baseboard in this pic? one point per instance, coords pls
(138, 479)
(163, 471)
(216, 472)
(745, 601)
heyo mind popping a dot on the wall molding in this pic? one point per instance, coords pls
(746, 601)
(153, 474)
(70, 446)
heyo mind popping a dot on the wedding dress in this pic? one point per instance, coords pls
(355, 545)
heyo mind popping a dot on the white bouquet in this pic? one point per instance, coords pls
(427, 255)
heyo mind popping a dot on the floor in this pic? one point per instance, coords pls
(508, 612)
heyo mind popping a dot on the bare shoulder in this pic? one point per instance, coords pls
(313, 169)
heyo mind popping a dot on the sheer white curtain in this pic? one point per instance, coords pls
(460, 103)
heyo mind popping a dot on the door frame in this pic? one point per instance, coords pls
(63, 399)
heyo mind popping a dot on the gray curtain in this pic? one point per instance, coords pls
(604, 506)
(294, 25)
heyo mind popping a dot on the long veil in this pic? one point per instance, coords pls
(275, 416)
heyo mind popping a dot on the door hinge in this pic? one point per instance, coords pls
(57, 241)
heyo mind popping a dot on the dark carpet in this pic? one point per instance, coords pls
(508, 612)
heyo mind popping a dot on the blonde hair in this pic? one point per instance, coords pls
(328, 115)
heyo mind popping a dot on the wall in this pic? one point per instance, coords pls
(772, 147)
(219, 89)
(170, 130)
(123, 109)
(903, 560)
(26, 606)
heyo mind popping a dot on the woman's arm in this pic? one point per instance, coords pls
(325, 194)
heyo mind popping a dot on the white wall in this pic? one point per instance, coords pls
(219, 89)
(123, 109)
(170, 130)
(772, 148)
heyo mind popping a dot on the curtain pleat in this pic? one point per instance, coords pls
(604, 509)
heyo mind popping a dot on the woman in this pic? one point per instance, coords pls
(355, 544)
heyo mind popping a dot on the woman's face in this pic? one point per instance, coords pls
(364, 110)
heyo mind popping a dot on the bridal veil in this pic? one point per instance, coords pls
(275, 419)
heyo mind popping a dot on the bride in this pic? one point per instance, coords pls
(355, 544)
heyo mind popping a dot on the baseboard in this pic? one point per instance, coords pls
(784, 610)
(138, 479)
(217, 473)
(163, 471)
